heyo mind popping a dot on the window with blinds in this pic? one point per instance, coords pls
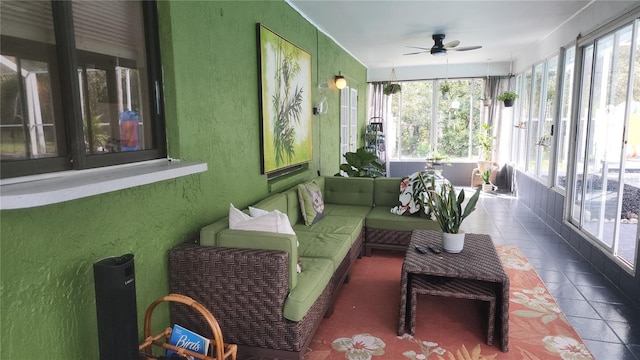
(78, 80)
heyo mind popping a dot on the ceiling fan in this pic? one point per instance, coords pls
(439, 49)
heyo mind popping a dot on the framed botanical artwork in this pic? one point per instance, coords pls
(285, 101)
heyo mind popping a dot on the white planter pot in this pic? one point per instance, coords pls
(453, 243)
(487, 187)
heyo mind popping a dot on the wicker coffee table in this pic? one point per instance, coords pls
(468, 274)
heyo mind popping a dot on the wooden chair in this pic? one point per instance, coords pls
(218, 350)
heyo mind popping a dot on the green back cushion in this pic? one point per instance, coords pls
(348, 191)
(273, 202)
(386, 191)
(209, 233)
(311, 202)
(293, 205)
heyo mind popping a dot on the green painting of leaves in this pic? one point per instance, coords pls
(285, 72)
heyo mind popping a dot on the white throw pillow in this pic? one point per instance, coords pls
(262, 220)
(255, 212)
(236, 217)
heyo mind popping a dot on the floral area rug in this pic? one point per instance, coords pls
(364, 324)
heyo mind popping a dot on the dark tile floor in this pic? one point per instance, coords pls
(607, 321)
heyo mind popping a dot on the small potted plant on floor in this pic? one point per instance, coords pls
(445, 207)
(507, 97)
(487, 186)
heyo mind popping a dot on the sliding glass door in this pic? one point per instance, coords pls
(606, 185)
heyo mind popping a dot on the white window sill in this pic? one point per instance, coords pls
(38, 190)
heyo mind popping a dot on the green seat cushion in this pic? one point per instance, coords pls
(348, 225)
(334, 247)
(346, 210)
(381, 218)
(311, 283)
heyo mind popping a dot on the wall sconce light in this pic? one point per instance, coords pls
(340, 81)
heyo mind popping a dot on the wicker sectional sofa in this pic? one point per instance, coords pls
(249, 281)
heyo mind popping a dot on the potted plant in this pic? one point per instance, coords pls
(486, 101)
(507, 97)
(361, 164)
(445, 88)
(487, 186)
(446, 208)
(391, 88)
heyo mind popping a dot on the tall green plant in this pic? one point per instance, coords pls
(485, 141)
(446, 206)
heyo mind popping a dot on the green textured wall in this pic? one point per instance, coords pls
(47, 306)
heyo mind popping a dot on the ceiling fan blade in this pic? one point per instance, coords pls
(417, 52)
(451, 44)
(418, 47)
(466, 48)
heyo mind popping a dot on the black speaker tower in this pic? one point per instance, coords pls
(115, 286)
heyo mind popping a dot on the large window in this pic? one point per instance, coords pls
(534, 138)
(80, 85)
(606, 181)
(426, 119)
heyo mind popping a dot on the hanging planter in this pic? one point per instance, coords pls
(392, 87)
(507, 97)
(445, 88)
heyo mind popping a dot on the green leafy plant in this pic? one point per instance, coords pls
(361, 164)
(485, 141)
(446, 206)
(445, 88)
(485, 177)
(507, 95)
(391, 88)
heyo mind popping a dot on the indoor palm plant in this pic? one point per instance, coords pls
(446, 208)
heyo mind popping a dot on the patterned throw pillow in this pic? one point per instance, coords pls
(311, 203)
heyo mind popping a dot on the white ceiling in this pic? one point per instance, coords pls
(377, 33)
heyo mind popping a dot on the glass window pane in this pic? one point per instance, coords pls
(565, 118)
(28, 127)
(581, 143)
(114, 86)
(413, 116)
(549, 110)
(534, 122)
(459, 119)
